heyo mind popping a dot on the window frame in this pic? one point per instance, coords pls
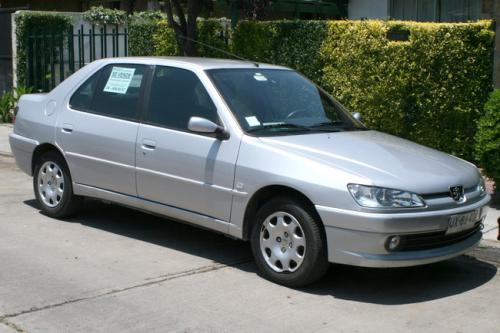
(438, 12)
(147, 94)
(140, 102)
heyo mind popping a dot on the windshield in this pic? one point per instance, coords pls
(278, 101)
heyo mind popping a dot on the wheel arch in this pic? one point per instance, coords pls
(266, 193)
(42, 149)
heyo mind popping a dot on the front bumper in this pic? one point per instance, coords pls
(359, 238)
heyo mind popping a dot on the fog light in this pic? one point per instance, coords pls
(393, 243)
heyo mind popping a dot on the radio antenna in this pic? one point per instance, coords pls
(256, 64)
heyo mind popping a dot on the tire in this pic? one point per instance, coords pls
(53, 186)
(288, 243)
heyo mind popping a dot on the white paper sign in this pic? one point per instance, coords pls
(119, 80)
(259, 77)
(252, 121)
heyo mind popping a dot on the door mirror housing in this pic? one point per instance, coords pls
(202, 125)
(357, 116)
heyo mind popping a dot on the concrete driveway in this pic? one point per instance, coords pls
(112, 269)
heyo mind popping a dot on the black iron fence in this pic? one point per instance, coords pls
(53, 56)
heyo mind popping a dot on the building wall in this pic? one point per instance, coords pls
(358, 9)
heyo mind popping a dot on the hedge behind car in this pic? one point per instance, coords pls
(488, 138)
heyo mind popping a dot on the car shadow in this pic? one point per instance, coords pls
(391, 286)
(396, 286)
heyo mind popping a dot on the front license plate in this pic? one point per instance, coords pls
(462, 222)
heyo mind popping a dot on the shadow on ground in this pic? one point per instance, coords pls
(369, 285)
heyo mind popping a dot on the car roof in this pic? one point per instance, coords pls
(202, 63)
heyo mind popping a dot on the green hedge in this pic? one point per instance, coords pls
(294, 44)
(488, 139)
(141, 28)
(35, 23)
(213, 32)
(430, 88)
(164, 40)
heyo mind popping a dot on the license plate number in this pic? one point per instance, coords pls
(462, 222)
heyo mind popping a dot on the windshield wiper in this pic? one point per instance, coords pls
(335, 126)
(330, 125)
(279, 125)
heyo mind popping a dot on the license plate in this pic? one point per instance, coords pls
(462, 222)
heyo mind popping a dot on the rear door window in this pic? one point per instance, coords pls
(114, 91)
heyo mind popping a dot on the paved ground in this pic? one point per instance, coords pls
(112, 269)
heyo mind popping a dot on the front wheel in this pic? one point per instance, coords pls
(288, 243)
(52, 186)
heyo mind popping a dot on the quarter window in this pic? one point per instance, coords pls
(114, 91)
(82, 98)
(176, 96)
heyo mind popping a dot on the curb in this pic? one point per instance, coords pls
(6, 154)
(487, 251)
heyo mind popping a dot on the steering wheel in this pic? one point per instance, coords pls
(295, 113)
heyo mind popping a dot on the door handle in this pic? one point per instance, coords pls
(67, 128)
(148, 144)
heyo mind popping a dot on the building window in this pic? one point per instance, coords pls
(436, 10)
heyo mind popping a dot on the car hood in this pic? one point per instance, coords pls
(381, 160)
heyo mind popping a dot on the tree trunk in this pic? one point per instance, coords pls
(185, 29)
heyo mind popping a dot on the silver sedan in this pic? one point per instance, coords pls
(254, 151)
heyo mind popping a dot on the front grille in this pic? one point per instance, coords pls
(431, 196)
(435, 239)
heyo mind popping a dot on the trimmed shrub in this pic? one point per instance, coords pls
(142, 28)
(289, 43)
(165, 41)
(254, 40)
(36, 23)
(488, 138)
(213, 32)
(216, 33)
(430, 89)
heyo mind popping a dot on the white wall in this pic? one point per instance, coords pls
(368, 9)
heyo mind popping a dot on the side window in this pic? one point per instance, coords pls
(176, 96)
(82, 98)
(113, 91)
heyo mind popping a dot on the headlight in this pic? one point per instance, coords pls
(378, 197)
(481, 187)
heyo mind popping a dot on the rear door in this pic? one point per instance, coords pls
(176, 167)
(98, 129)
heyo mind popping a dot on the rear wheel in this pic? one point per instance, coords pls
(53, 187)
(288, 243)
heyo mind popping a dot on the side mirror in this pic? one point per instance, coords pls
(202, 125)
(357, 116)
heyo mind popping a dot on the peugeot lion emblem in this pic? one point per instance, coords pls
(457, 193)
